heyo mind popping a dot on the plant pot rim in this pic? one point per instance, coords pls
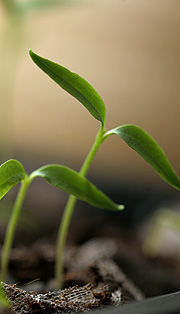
(165, 304)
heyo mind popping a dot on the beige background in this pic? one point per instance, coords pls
(130, 52)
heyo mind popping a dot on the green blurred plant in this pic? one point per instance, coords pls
(12, 37)
(30, 223)
(162, 219)
(27, 6)
(15, 14)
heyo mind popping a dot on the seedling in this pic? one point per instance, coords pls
(134, 136)
(12, 171)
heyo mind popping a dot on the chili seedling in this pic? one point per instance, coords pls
(133, 135)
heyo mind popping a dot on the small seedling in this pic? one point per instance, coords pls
(12, 171)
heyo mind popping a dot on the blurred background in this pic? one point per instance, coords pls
(129, 50)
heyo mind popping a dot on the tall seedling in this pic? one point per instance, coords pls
(133, 135)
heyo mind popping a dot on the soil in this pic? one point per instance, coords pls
(106, 271)
(103, 262)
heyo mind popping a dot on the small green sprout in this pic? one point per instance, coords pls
(12, 171)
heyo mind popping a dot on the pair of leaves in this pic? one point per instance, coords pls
(12, 172)
(134, 136)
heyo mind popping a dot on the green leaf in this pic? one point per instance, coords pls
(73, 183)
(74, 85)
(11, 172)
(149, 150)
(4, 302)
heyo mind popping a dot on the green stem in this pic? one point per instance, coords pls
(90, 156)
(12, 227)
(67, 215)
(61, 239)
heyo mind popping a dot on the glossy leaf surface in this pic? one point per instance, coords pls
(11, 172)
(149, 150)
(73, 183)
(74, 85)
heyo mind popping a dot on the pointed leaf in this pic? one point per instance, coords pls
(11, 172)
(73, 183)
(149, 150)
(74, 85)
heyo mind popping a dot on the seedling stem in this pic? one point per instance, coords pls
(68, 211)
(12, 226)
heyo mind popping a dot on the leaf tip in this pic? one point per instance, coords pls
(31, 52)
(121, 207)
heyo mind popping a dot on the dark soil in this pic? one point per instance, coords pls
(111, 261)
(116, 269)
